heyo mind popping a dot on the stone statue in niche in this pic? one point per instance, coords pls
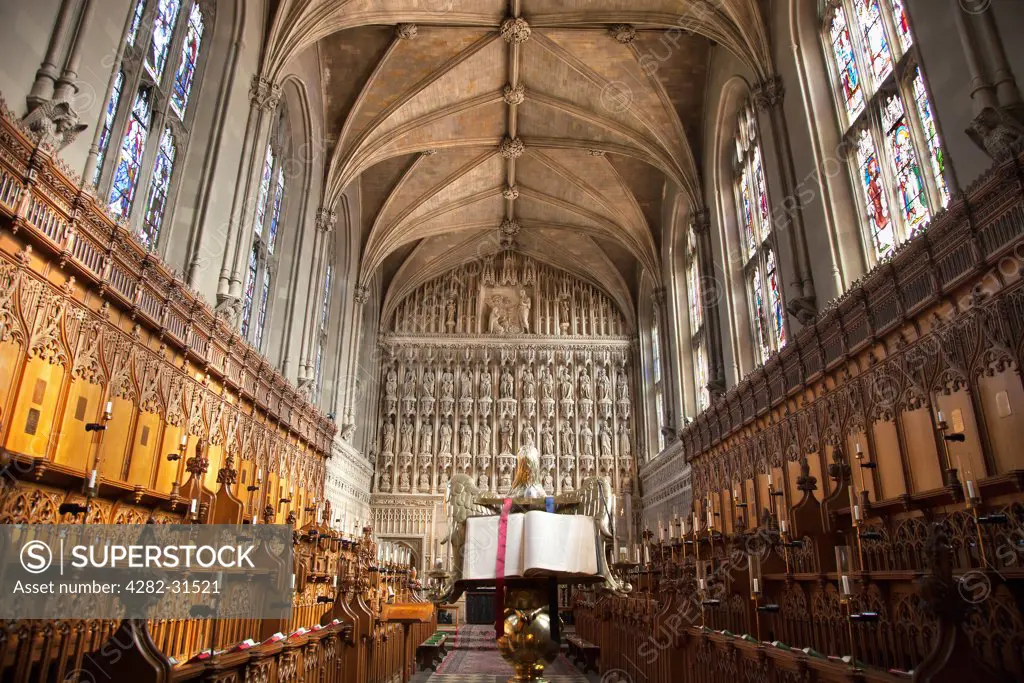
(524, 310)
(426, 437)
(449, 315)
(549, 482)
(547, 439)
(621, 387)
(565, 382)
(586, 386)
(389, 437)
(564, 318)
(547, 384)
(624, 439)
(507, 383)
(529, 385)
(447, 385)
(391, 385)
(385, 482)
(446, 437)
(465, 437)
(506, 437)
(567, 437)
(403, 482)
(407, 436)
(409, 386)
(529, 435)
(485, 383)
(481, 482)
(428, 383)
(587, 439)
(442, 480)
(606, 440)
(467, 385)
(485, 439)
(603, 385)
(567, 482)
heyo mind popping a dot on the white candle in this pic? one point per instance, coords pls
(856, 512)
(757, 586)
(696, 522)
(647, 554)
(782, 525)
(846, 585)
(711, 518)
(859, 451)
(192, 506)
(293, 581)
(769, 479)
(92, 479)
(940, 417)
(335, 582)
(184, 440)
(110, 407)
(971, 493)
(700, 584)
(661, 532)
(636, 554)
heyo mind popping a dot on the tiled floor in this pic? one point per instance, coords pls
(474, 658)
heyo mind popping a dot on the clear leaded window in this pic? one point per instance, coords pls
(698, 338)
(897, 162)
(148, 111)
(659, 391)
(766, 309)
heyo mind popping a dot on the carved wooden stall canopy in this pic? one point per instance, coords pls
(498, 354)
(890, 428)
(88, 321)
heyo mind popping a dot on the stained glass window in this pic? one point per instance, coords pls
(936, 154)
(261, 319)
(133, 29)
(899, 15)
(700, 376)
(158, 188)
(903, 162)
(126, 174)
(326, 310)
(775, 300)
(163, 31)
(894, 129)
(319, 364)
(189, 58)
(656, 351)
(849, 76)
(761, 338)
(264, 191)
(693, 292)
(250, 284)
(659, 409)
(275, 216)
(869, 16)
(108, 124)
(761, 193)
(883, 238)
(747, 210)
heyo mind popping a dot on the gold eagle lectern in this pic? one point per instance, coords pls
(474, 517)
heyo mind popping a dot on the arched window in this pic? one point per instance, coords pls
(267, 219)
(659, 386)
(887, 119)
(159, 69)
(325, 316)
(698, 338)
(764, 291)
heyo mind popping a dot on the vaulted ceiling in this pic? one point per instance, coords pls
(555, 124)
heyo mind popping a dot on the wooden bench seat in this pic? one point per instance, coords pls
(431, 652)
(583, 653)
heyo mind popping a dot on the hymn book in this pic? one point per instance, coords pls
(537, 544)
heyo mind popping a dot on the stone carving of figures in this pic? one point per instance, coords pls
(465, 437)
(507, 383)
(621, 387)
(447, 385)
(442, 481)
(391, 384)
(529, 388)
(565, 380)
(494, 321)
(547, 383)
(485, 383)
(606, 440)
(506, 437)
(407, 435)
(563, 309)
(467, 384)
(624, 440)
(603, 385)
(586, 386)
(549, 482)
(529, 435)
(426, 436)
(409, 386)
(449, 315)
(524, 310)
(446, 438)
(568, 438)
(403, 481)
(385, 482)
(547, 439)
(485, 439)
(481, 482)
(389, 437)
(587, 439)
(567, 482)
(428, 383)
(506, 480)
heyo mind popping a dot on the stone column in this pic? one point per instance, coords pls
(325, 221)
(264, 97)
(46, 76)
(667, 427)
(711, 295)
(66, 84)
(800, 301)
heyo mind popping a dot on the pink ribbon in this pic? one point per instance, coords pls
(499, 570)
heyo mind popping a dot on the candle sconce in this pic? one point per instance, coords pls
(622, 570)
(101, 426)
(844, 569)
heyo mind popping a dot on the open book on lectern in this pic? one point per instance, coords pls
(537, 544)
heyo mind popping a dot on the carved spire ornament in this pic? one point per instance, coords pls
(515, 30)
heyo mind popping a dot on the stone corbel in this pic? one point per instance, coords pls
(998, 132)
